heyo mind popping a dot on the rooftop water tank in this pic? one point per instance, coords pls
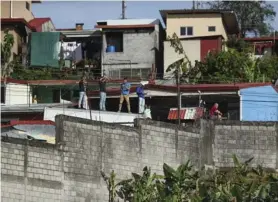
(110, 49)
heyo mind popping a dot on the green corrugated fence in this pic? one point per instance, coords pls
(45, 49)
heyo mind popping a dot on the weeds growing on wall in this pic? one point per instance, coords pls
(186, 184)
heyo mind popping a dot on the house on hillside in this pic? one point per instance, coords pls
(200, 32)
(263, 46)
(132, 48)
(80, 46)
(17, 17)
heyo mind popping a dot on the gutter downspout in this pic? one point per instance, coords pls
(240, 106)
(11, 9)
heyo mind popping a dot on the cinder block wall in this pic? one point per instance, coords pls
(70, 170)
(139, 51)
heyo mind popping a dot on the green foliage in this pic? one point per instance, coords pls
(183, 65)
(23, 73)
(252, 16)
(226, 66)
(234, 65)
(6, 52)
(185, 184)
(238, 44)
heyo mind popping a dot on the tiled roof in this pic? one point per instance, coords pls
(38, 22)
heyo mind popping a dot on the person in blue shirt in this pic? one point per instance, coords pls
(141, 96)
(125, 87)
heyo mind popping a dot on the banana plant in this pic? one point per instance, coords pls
(242, 183)
(140, 188)
(111, 185)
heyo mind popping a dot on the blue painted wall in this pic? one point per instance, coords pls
(259, 104)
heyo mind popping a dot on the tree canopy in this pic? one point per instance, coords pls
(6, 53)
(253, 16)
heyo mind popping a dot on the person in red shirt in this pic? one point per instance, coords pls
(214, 113)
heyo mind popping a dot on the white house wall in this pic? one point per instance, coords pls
(192, 49)
(48, 27)
(18, 94)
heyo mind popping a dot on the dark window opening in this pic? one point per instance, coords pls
(189, 31)
(186, 31)
(115, 39)
(27, 6)
(3, 94)
(66, 94)
(211, 28)
(183, 31)
(56, 96)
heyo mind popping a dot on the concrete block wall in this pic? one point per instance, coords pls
(247, 140)
(70, 170)
(139, 51)
(30, 173)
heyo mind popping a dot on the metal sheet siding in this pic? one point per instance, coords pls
(189, 113)
(259, 104)
(207, 45)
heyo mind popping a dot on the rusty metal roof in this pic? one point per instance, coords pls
(187, 113)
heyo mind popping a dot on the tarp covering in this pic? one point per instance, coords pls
(45, 49)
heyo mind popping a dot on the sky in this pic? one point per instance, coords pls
(65, 14)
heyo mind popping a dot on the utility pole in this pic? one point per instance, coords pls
(193, 6)
(123, 9)
(179, 96)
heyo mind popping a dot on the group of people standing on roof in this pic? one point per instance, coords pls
(124, 96)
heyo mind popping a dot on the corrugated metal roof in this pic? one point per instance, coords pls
(188, 113)
(37, 131)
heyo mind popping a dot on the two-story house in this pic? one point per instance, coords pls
(17, 17)
(132, 48)
(200, 31)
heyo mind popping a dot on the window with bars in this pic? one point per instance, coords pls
(130, 73)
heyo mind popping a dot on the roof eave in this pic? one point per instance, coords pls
(17, 20)
(124, 26)
(230, 22)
